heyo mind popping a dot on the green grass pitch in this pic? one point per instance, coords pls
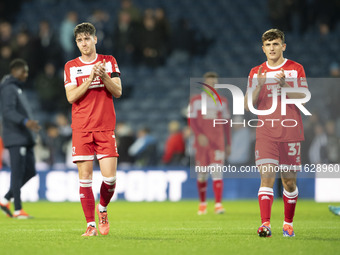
(170, 228)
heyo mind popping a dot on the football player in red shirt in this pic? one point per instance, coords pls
(277, 146)
(212, 144)
(90, 82)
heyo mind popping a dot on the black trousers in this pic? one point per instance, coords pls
(22, 170)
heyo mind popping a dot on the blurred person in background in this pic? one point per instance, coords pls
(174, 147)
(150, 44)
(6, 54)
(125, 139)
(50, 94)
(99, 19)
(144, 149)
(6, 35)
(333, 92)
(333, 143)
(65, 133)
(124, 39)
(25, 48)
(318, 148)
(53, 144)
(47, 45)
(129, 7)
(163, 24)
(309, 127)
(18, 135)
(212, 144)
(66, 38)
(242, 139)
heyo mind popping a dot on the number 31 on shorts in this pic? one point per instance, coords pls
(294, 149)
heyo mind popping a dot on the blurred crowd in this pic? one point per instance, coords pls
(137, 37)
(300, 15)
(146, 38)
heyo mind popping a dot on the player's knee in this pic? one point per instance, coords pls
(267, 182)
(85, 176)
(289, 185)
(217, 175)
(202, 177)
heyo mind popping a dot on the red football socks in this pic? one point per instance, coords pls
(107, 190)
(218, 190)
(266, 197)
(87, 199)
(202, 190)
(289, 200)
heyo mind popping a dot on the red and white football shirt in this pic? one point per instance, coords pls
(273, 130)
(218, 136)
(94, 111)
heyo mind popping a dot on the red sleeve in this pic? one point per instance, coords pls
(250, 78)
(302, 81)
(194, 115)
(67, 75)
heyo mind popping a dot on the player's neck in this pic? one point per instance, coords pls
(276, 62)
(89, 58)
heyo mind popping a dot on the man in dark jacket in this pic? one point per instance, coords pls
(18, 136)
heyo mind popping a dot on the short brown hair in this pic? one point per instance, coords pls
(273, 34)
(210, 75)
(86, 28)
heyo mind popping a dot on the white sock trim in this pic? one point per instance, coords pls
(92, 223)
(266, 191)
(109, 180)
(4, 201)
(102, 208)
(85, 183)
(288, 223)
(291, 195)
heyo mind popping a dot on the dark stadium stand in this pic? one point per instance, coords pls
(158, 95)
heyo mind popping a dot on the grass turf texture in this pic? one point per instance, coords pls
(170, 228)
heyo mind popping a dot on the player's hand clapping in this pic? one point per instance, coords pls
(100, 69)
(261, 77)
(93, 73)
(281, 78)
